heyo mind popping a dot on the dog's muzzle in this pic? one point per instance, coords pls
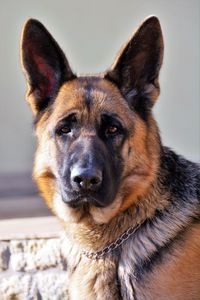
(85, 187)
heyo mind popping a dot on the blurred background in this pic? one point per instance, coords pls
(91, 33)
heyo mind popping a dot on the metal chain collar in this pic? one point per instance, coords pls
(114, 245)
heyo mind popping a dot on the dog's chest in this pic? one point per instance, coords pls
(123, 274)
(109, 278)
(102, 279)
(93, 279)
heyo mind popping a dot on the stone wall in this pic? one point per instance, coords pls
(33, 269)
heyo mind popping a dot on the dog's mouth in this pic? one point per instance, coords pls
(81, 200)
(84, 201)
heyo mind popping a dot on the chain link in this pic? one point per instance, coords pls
(121, 239)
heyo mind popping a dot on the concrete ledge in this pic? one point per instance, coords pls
(30, 228)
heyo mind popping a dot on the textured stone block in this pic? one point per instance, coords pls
(36, 255)
(17, 287)
(45, 285)
(4, 255)
(34, 269)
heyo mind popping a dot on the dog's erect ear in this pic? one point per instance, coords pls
(137, 68)
(44, 63)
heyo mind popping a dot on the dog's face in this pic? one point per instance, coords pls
(86, 135)
(97, 141)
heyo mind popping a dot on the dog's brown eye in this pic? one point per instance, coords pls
(111, 130)
(67, 125)
(65, 130)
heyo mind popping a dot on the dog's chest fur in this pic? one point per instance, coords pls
(129, 272)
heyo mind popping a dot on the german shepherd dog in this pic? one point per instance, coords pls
(130, 206)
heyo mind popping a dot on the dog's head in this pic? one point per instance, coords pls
(98, 144)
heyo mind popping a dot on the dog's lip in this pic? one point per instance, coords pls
(83, 199)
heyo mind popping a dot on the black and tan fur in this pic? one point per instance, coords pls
(103, 126)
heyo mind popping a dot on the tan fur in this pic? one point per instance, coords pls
(179, 276)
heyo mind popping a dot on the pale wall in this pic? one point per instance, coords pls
(91, 32)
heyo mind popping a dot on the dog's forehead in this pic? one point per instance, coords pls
(93, 94)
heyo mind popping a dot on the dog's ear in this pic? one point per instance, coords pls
(137, 67)
(44, 64)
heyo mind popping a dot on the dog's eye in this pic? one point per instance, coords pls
(67, 125)
(110, 130)
(65, 130)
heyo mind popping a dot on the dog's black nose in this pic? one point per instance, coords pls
(88, 179)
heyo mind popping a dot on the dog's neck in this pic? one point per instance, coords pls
(93, 237)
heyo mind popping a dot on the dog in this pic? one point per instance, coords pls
(129, 205)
